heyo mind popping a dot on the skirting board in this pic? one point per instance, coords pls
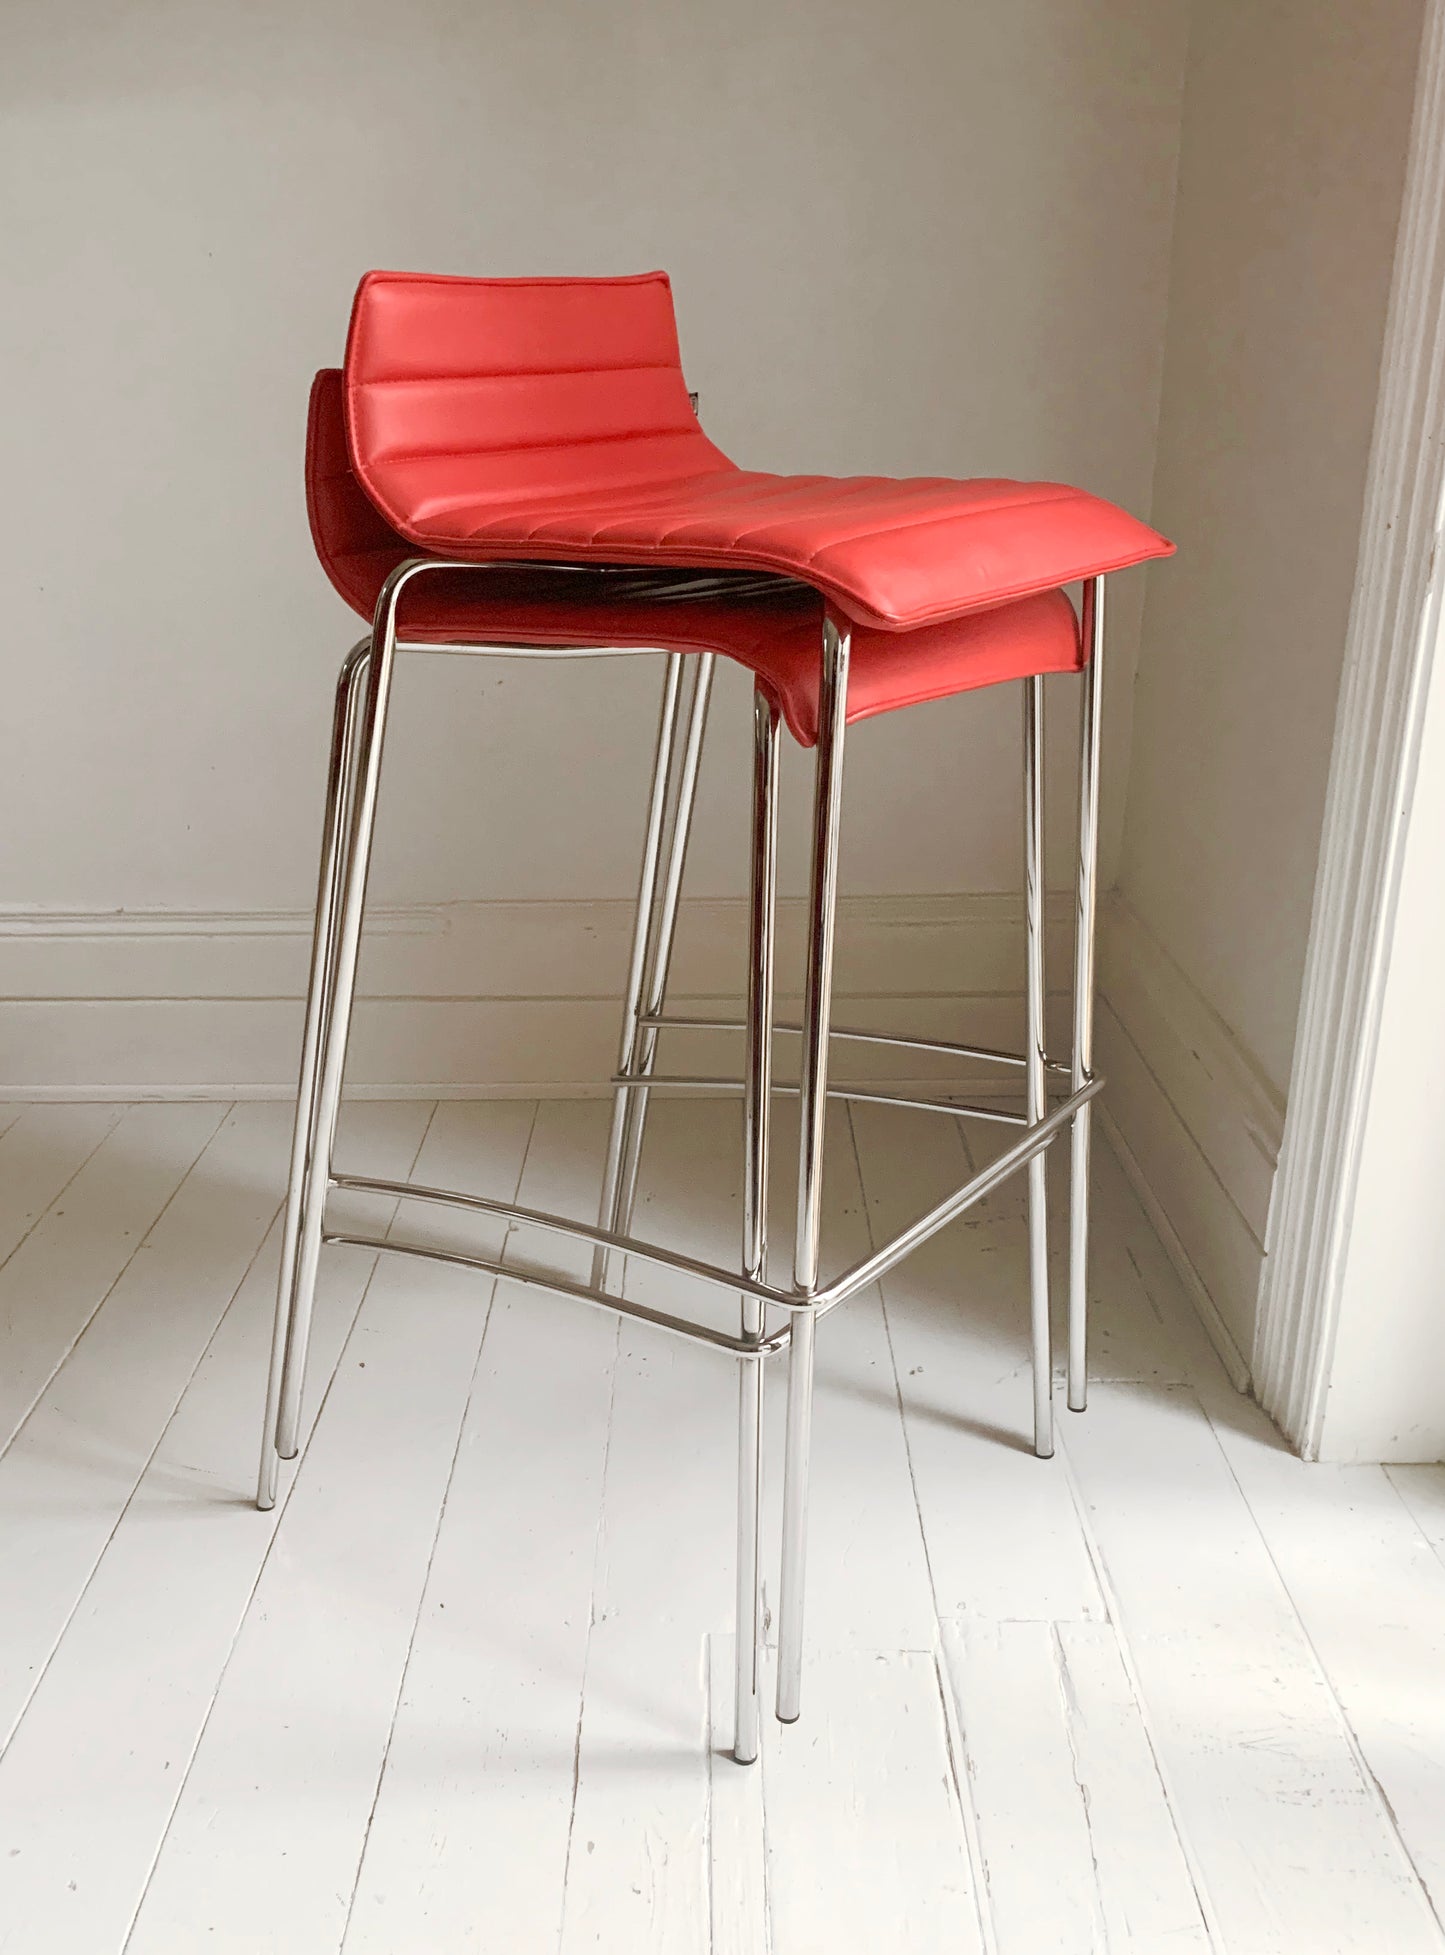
(476, 1000)
(471, 1000)
(1195, 1126)
(1232, 1358)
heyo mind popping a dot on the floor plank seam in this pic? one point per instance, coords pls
(1069, 1705)
(597, 1557)
(955, 1744)
(44, 1385)
(129, 1501)
(762, 1770)
(1356, 1750)
(60, 1193)
(420, 1609)
(283, 1501)
(967, 1807)
(436, 1537)
(1437, 1548)
(1197, 1881)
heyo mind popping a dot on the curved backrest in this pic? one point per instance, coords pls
(469, 392)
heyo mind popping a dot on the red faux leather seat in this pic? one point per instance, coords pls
(547, 420)
(532, 441)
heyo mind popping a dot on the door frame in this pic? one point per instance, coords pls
(1389, 657)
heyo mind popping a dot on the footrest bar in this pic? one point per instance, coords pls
(1033, 1142)
(686, 1083)
(847, 1285)
(534, 1218)
(660, 1021)
(559, 1286)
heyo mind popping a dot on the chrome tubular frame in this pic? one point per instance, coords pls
(637, 962)
(960, 1109)
(344, 745)
(663, 935)
(362, 698)
(813, 1093)
(1091, 715)
(1035, 1074)
(757, 1119)
(340, 933)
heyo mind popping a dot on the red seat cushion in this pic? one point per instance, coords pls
(770, 624)
(549, 419)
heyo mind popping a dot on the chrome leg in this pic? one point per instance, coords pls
(756, 1122)
(1083, 1044)
(1035, 1075)
(813, 1107)
(335, 1015)
(660, 960)
(642, 931)
(339, 783)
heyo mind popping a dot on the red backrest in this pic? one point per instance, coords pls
(475, 393)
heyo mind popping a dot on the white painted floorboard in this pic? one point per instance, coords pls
(90, 1780)
(469, 1686)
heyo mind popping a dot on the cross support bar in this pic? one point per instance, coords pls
(534, 1218)
(663, 1022)
(560, 1286)
(1023, 1150)
(1033, 1143)
(691, 1083)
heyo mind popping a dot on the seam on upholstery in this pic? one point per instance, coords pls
(851, 601)
(743, 537)
(527, 447)
(781, 490)
(465, 278)
(923, 522)
(510, 373)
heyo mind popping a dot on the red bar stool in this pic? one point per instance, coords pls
(517, 466)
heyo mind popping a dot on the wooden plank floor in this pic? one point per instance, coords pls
(468, 1686)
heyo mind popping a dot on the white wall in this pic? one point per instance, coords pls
(912, 238)
(908, 238)
(1296, 119)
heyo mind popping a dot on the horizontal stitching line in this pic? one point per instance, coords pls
(743, 537)
(716, 510)
(714, 556)
(950, 516)
(511, 373)
(461, 278)
(524, 447)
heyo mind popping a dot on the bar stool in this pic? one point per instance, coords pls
(517, 465)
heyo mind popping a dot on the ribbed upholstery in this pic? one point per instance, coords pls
(549, 419)
(772, 625)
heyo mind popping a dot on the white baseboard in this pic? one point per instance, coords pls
(1218, 1332)
(470, 999)
(1196, 1128)
(519, 999)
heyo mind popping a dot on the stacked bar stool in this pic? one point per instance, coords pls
(515, 468)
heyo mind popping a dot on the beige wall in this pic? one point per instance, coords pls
(1296, 120)
(917, 237)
